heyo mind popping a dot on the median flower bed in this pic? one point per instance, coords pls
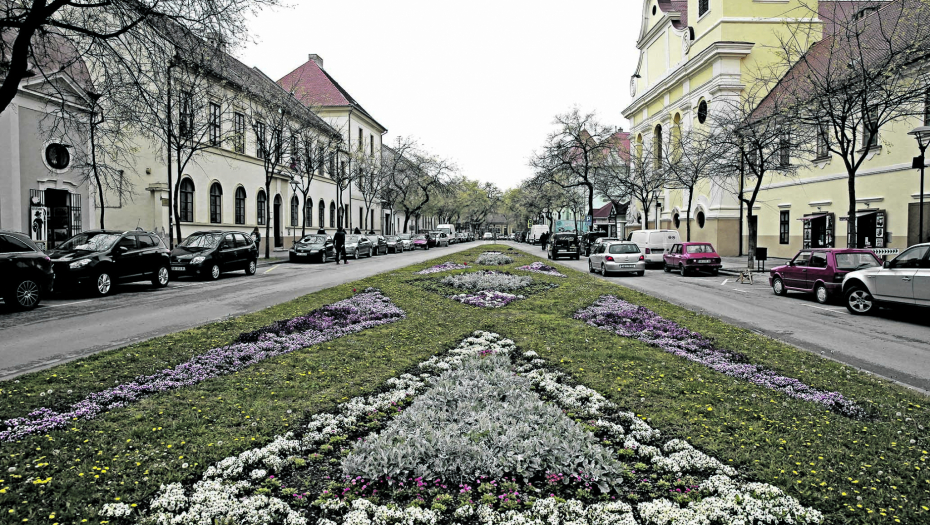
(354, 314)
(444, 267)
(493, 259)
(484, 288)
(538, 267)
(629, 320)
(481, 434)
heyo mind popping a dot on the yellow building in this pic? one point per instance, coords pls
(694, 53)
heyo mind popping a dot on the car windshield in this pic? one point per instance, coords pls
(623, 248)
(352, 238)
(855, 261)
(202, 241)
(391, 238)
(700, 248)
(91, 242)
(404, 236)
(313, 239)
(420, 238)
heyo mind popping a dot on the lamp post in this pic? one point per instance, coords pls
(658, 209)
(922, 134)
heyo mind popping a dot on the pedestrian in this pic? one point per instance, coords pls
(357, 231)
(339, 242)
(257, 239)
(543, 239)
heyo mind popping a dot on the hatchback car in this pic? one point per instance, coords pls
(358, 245)
(406, 239)
(394, 244)
(102, 258)
(902, 281)
(312, 247)
(563, 245)
(488, 236)
(440, 238)
(208, 254)
(692, 257)
(820, 271)
(421, 240)
(617, 256)
(27, 272)
(378, 244)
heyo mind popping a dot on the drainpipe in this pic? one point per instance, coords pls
(349, 132)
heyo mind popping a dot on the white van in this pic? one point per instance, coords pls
(654, 243)
(536, 232)
(448, 228)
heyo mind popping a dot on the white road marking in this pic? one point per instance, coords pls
(822, 308)
(744, 291)
(725, 281)
(67, 304)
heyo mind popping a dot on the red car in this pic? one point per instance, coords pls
(820, 271)
(421, 241)
(690, 257)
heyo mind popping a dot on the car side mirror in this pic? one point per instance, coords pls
(790, 263)
(888, 264)
(121, 249)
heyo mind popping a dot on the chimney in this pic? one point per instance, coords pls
(318, 59)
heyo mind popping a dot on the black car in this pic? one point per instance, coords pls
(563, 244)
(27, 272)
(102, 258)
(378, 244)
(587, 240)
(313, 247)
(209, 253)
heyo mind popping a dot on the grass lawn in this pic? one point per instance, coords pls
(854, 471)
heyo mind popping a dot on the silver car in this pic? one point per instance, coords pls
(357, 246)
(617, 257)
(406, 239)
(902, 281)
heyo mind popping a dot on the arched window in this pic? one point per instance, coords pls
(702, 111)
(261, 206)
(677, 220)
(639, 146)
(240, 205)
(308, 212)
(676, 138)
(332, 214)
(700, 219)
(657, 146)
(295, 211)
(322, 214)
(187, 201)
(216, 203)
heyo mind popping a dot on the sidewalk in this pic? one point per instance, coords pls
(734, 265)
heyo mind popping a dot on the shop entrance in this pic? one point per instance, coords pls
(64, 215)
(818, 230)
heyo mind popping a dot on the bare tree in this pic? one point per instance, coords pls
(866, 72)
(688, 159)
(642, 179)
(370, 179)
(394, 167)
(422, 177)
(309, 147)
(478, 200)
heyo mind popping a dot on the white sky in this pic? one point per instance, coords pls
(477, 82)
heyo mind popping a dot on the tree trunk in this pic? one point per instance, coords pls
(175, 191)
(852, 238)
(688, 212)
(93, 163)
(268, 204)
(753, 229)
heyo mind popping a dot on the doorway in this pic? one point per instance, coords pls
(278, 240)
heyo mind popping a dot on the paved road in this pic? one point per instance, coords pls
(894, 344)
(62, 329)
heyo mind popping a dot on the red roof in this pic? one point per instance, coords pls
(313, 86)
(681, 6)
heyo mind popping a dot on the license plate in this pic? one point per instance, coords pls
(703, 260)
(628, 266)
(301, 254)
(177, 268)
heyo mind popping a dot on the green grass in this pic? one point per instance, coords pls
(824, 459)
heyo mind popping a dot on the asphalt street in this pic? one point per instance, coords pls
(66, 328)
(895, 343)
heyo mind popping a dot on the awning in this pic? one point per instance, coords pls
(862, 213)
(812, 217)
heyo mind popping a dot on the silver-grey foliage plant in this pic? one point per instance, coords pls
(487, 280)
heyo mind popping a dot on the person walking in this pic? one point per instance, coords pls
(257, 239)
(339, 242)
(543, 239)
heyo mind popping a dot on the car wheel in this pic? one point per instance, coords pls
(681, 268)
(25, 295)
(590, 266)
(820, 292)
(291, 258)
(214, 273)
(642, 273)
(161, 277)
(103, 284)
(778, 286)
(604, 271)
(251, 267)
(356, 254)
(666, 267)
(715, 271)
(859, 301)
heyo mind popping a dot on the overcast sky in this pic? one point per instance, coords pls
(477, 82)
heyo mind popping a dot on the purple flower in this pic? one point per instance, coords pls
(538, 267)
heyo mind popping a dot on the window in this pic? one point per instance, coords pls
(308, 212)
(802, 259)
(187, 201)
(703, 7)
(818, 260)
(371, 146)
(277, 140)
(240, 205)
(261, 204)
(146, 241)
(700, 219)
(868, 123)
(702, 111)
(295, 211)
(239, 133)
(216, 203)
(657, 139)
(361, 218)
(677, 219)
(783, 226)
(214, 124)
(332, 165)
(332, 214)
(57, 156)
(927, 108)
(295, 152)
(784, 150)
(185, 115)
(13, 245)
(361, 145)
(322, 213)
(260, 140)
(823, 142)
(320, 155)
(241, 240)
(912, 258)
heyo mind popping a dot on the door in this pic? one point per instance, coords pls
(278, 239)
(795, 276)
(922, 282)
(897, 283)
(674, 256)
(149, 256)
(816, 270)
(227, 253)
(128, 258)
(597, 256)
(244, 246)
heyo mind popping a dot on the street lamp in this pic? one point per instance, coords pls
(922, 134)
(658, 209)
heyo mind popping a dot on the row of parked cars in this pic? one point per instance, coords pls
(320, 247)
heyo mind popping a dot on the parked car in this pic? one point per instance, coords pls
(461, 237)
(654, 243)
(902, 281)
(312, 247)
(588, 240)
(406, 239)
(102, 258)
(488, 236)
(378, 244)
(421, 241)
(563, 244)
(471, 236)
(27, 272)
(358, 245)
(394, 244)
(617, 256)
(692, 257)
(820, 271)
(440, 238)
(210, 253)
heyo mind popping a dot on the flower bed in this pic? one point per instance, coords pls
(487, 280)
(420, 452)
(493, 259)
(444, 267)
(486, 298)
(351, 315)
(538, 267)
(629, 320)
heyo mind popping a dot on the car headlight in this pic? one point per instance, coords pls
(79, 264)
(199, 259)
